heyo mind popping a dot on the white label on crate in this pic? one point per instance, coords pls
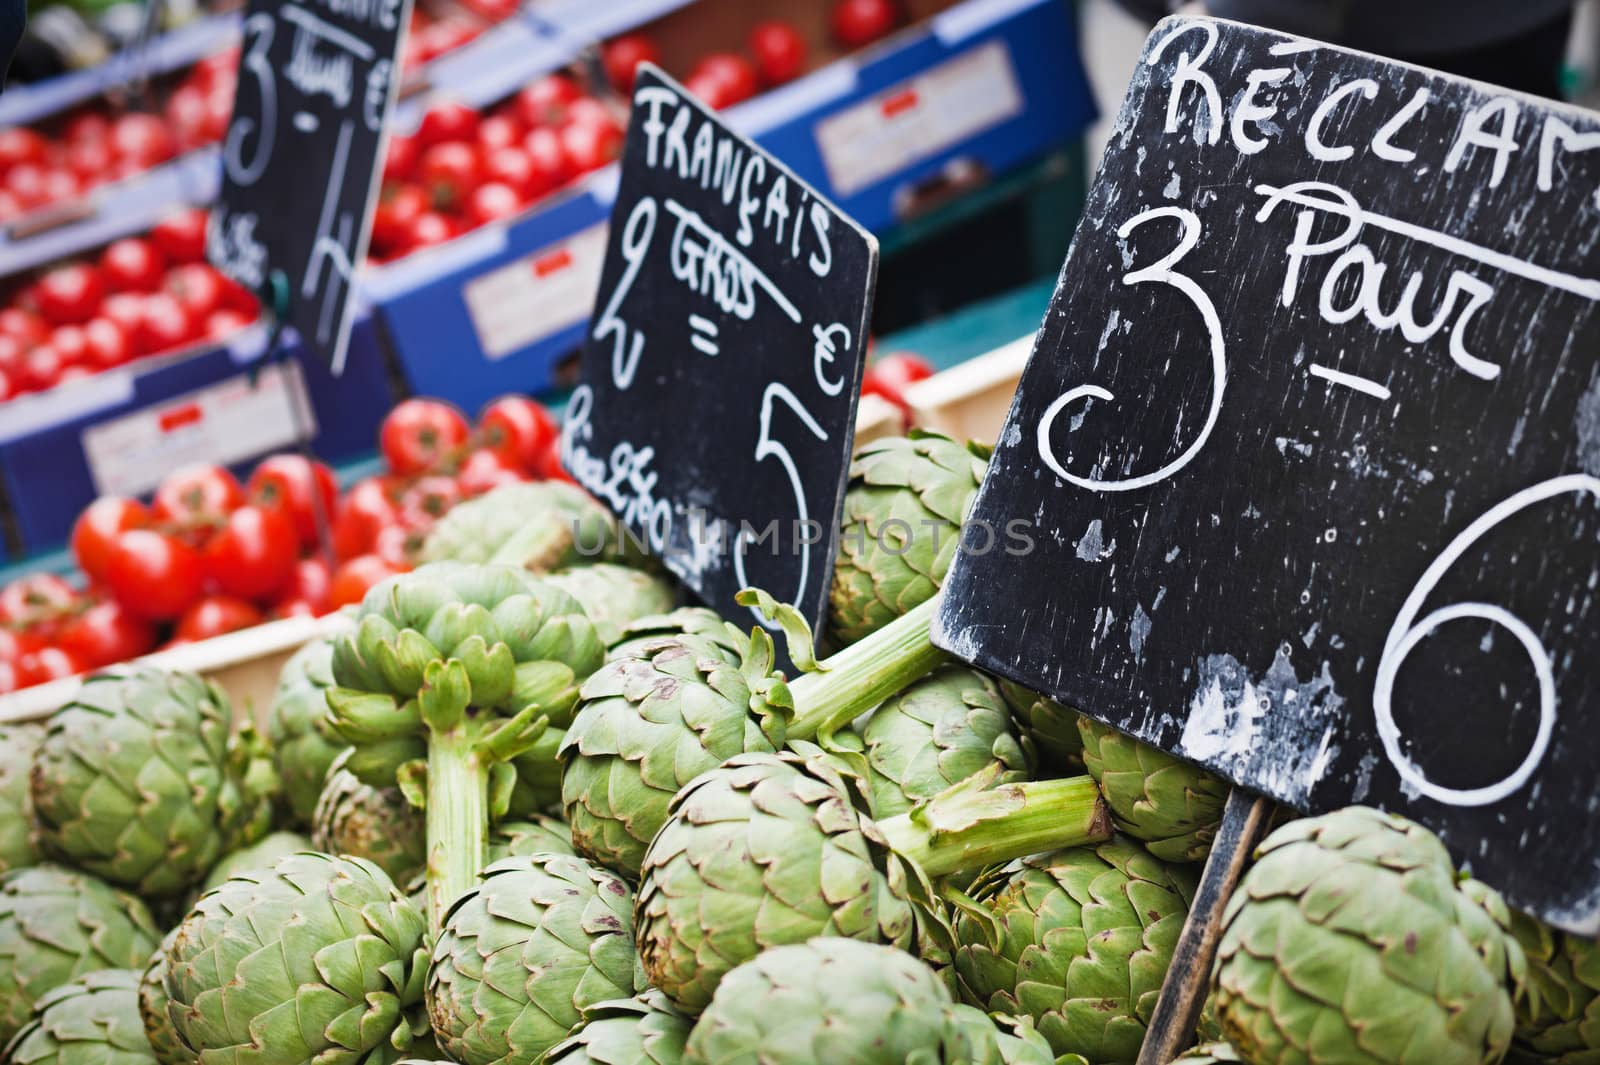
(919, 118)
(223, 423)
(537, 295)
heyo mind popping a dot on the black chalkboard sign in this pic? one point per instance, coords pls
(1302, 481)
(720, 376)
(302, 155)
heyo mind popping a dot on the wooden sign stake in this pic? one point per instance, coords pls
(1184, 991)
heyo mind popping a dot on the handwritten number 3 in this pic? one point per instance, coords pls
(1161, 272)
(255, 61)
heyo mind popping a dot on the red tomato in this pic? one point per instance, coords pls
(46, 664)
(95, 533)
(235, 297)
(188, 113)
(419, 434)
(450, 171)
(154, 575)
(107, 344)
(511, 166)
(400, 547)
(518, 429)
(126, 310)
(551, 166)
(253, 555)
(491, 201)
(215, 615)
(734, 70)
(164, 324)
(41, 369)
(69, 294)
(307, 592)
(398, 210)
(430, 228)
(90, 160)
(545, 102)
(400, 163)
(12, 352)
(447, 122)
(900, 369)
(19, 144)
(105, 634)
(86, 126)
(13, 645)
(356, 577)
(24, 325)
(871, 385)
(860, 22)
(780, 51)
(499, 131)
(363, 512)
(8, 387)
(131, 265)
(298, 487)
(142, 138)
(36, 601)
(428, 500)
(197, 496)
(181, 236)
(591, 144)
(70, 344)
(623, 56)
(484, 471)
(197, 286)
(713, 91)
(550, 468)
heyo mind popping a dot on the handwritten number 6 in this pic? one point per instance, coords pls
(1161, 272)
(767, 447)
(255, 61)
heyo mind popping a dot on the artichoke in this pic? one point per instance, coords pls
(538, 526)
(1078, 940)
(139, 781)
(158, 1029)
(519, 839)
(652, 722)
(972, 1038)
(615, 596)
(948, 726)
(524, 953)
(644, 1030)
(1052, 727)
(301, 751)
(1212, 1054)
(56, 925)
(452, 671)
(900, 527)
(94, 1020)
(317, 959)
(1174, 807)
(685, 621)
(257, 856)
(1559, 1022)
(378, 824)
(770, 850)
(828, 1000)
(17, 744)
(1350, 940)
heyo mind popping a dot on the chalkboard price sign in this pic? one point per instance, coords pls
(1308, 450)
(719, 380)
(302, 154)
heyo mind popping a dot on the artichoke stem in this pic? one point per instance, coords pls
(457, 815)
(864, 674)
(970, 827)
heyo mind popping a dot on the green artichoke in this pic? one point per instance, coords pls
(524, 953)
(900, 527)
(538, 526)
(644, 1030)
(317, 959)
(17, 744)
(971, 1037)
(1350, 940)
(827, 1000)
(378, 824)
(257, 856)
(56, 925)
(615, 596)
(452, 672)
(1052, 727)
(301, 750)
(1174, 807)
(1212, 1054)
(685, 621)
(948, 726)
(1079, 940)
(768, 850)
(519, 839)
(158, 1029)
(94, 1020)
(139, 781)
(1559, 1022)
(652, 722)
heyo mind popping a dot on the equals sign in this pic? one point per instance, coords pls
(705, 331)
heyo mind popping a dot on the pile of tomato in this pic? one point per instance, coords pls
(208, 555)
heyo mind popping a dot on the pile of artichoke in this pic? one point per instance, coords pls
(529, 808)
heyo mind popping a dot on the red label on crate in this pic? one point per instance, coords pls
(900, 103)
(555, 262)
(178, 417)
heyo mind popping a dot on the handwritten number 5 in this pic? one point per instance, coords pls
(255, 61)
(1161, 272)
(767, 447)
